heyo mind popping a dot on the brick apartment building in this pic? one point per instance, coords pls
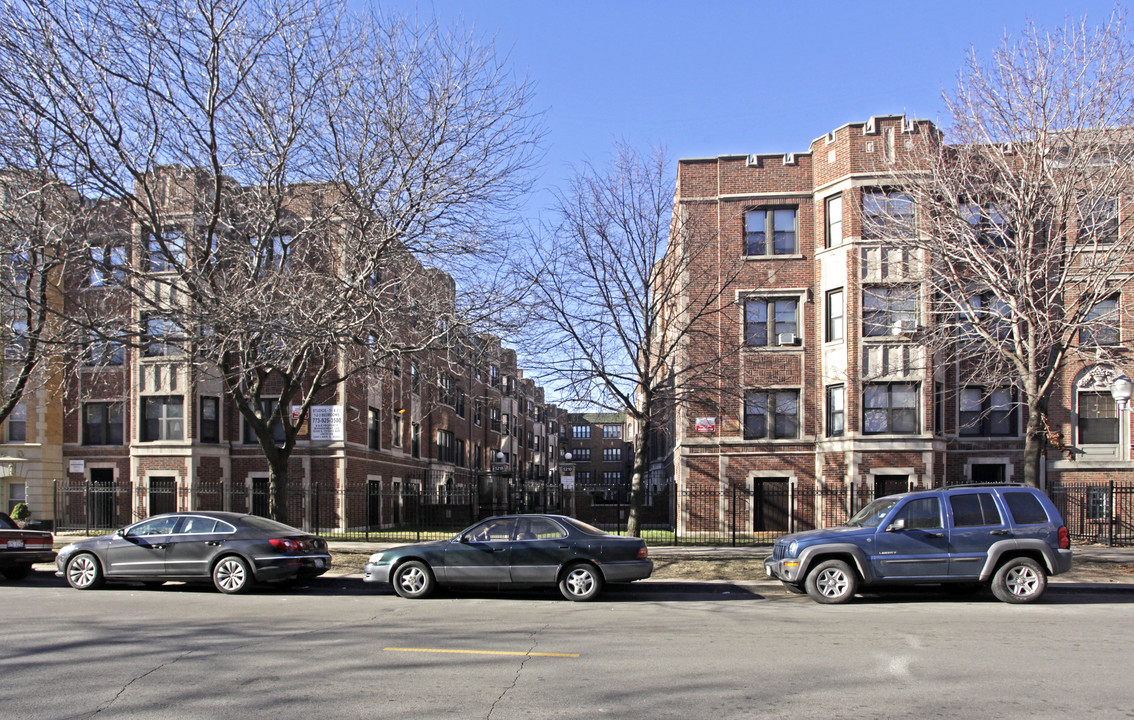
(147, 432)
(600, 450)
(834, 392)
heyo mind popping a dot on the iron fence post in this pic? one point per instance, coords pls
(87, 508)
(1110, 513)
(732, 520)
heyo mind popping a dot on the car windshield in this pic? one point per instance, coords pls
(271, 526)
(6, 523)
(873, 514)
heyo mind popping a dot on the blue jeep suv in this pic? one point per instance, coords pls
(1009, 537)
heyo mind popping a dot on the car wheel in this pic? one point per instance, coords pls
(792, 588)
(231, 575)
(413, 580)
(84, 572)
(1019, 580)
(16, 572)
(580, 582)
(831, 582)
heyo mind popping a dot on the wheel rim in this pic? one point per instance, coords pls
(1022, 581)
(82, 571)
(580, 581)
(230, 575)
(413, 580)
(832, 583)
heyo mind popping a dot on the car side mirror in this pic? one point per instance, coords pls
(897, 526)
(120, 532)
(463, 539)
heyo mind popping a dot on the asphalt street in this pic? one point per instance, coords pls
(657, 649)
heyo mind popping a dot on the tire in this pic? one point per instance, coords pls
(793, 588)
(231, 575)
(84, 572)
(414, 580)
(831, 582)
(580, 582)
(16, 572)
(1019, 580)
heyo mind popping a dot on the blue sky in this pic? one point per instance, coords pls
(714, 78)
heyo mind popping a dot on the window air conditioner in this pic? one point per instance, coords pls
(785, 339)
(905, 327)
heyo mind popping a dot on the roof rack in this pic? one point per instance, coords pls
(981, 485)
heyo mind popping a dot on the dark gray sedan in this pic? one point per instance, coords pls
(518, 550)
(231, 549)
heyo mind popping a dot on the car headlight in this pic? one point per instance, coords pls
(376, 558)
(793, 548)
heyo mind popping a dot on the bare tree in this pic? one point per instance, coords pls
(305, 188)
(1018, 215)
(624, 285)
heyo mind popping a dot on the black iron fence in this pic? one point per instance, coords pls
(439, 505)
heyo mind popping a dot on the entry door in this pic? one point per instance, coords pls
(890, 485)
(988, 473)
(163, 495)
(374, 504)
(770, 505)
(260, 492)
(101, 506)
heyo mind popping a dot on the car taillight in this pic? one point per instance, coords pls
(643, 553)
(286, 544)
(1064, 538)
(37, 544)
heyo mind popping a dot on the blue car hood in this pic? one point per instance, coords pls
(831, 532)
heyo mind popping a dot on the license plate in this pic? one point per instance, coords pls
(15, 544)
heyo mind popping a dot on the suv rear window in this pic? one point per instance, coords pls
(1026, 509)
(974, 510)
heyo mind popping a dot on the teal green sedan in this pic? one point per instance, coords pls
(515, 550)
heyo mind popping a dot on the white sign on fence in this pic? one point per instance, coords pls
(77, 466)
(326, 423)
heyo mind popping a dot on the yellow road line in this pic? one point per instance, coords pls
(482, 652)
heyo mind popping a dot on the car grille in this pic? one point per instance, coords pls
(778, 551)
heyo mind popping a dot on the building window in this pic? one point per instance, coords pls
(17, 493)
(987, 223)
(18, 423)
(834, 221)
(1098, 419)
(612, 477)
(415, 440)
(1098, 220)
(985, 413)
(1097, 505)
(162, 418)
(775, 224)
(267, 407)
(612, 432)
(582, 454)
(836, 410)
(447, 390)
(582, 477)
(939, 409)
(612, 454)
(581, 432)
(17, 342)
(890, 408)
(494, 420)
(771, 415)
(836, 316)
(478, 412)
(505, 423)
(164, 337)
(374, 434)
(459, 403)
(1100, 326)
(459, 452)
(991, 313)
(888, 310)
(493, 376)
(771, 321)
(446, 452)
(102, 423)
(270, 253)
(173, 254)
(101, 351)
(415, 379)
(210, 420)
(108, 266)
(887, 214)
(398, 430)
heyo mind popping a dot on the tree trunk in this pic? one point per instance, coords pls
(1034, 440)
(638, 476)
(277, 488)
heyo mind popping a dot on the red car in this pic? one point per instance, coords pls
(20, 548)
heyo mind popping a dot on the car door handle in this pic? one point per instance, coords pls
(935, 535)
(214, 543)
(999, 532)
(564, 547)
(158, 547)
(499, 549)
